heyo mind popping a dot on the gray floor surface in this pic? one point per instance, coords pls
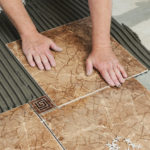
(136, 15)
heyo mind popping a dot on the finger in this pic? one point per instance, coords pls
(114, 77)
(45, 62)
(119, 75)
(123, 72)
(38, 62)
(54, 47)
(51, 59)
(89, 67)
(107, 78)
(30, 60)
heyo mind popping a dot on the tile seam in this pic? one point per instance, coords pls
(47, 127)
(72, 101)
(98, 90)
(81, 97)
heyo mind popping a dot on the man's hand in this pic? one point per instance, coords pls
(37, 49)
(102, 57)
(104, 60)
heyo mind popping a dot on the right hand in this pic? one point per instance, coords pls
(104, 60)
(37, 49)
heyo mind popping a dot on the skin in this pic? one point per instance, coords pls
(37, 47)
(102, 57)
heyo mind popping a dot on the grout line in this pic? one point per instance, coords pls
(44, 122)
(77, 99)
(46, 125)
(98, 90)
(136, 75)
(72, 101)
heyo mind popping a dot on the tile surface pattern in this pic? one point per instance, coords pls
(67, 80)
(93, 121)
(20, 129)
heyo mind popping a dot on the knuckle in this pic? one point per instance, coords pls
(115, 61)
(50, 41)
(110, 65)
(102, 66)
(119, 76)
(120, 66)
(38, 61)
(45, 61)
(51, 58)
(115, 80)
(103, 73)
(38, 50)
(26, 52)
(49, 53)
(87, 61)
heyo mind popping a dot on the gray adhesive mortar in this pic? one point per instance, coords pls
(16, 85)
(49, 14)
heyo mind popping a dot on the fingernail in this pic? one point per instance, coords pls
(112, 85)
(123, 81)
(119, 85)
(59, 48)
(32, 65)
(48, 68)
(41, 68)
(88, 72)
(53, 65)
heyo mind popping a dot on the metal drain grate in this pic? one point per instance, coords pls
(42, 104)
(17, 87)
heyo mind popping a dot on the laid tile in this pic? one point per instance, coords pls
(68, 79)
(21, 129)
(96, 120)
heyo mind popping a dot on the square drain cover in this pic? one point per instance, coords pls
(42, 104)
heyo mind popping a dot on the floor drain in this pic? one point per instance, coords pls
(42, 104)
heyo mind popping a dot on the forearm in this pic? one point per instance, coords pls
(18, 16)
(101, 19)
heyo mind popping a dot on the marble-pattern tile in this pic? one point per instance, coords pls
(21, 129)
(89, 123)
(68, 79)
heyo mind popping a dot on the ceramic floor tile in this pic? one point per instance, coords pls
(97, 119)
(68, 80)
(20, 129)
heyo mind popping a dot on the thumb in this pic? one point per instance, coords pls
(54, 47)
(89, 67)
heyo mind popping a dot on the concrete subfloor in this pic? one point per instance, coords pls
(136, 15)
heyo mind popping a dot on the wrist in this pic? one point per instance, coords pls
(100, 45)
(29, 34)
(101, 40)
(101, 49)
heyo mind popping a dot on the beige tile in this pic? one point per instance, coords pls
(68, 80)
(20, 129)
(90, 123)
